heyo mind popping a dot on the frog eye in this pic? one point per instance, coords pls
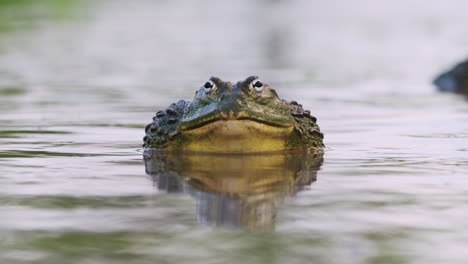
(209, 86)
(257, 85)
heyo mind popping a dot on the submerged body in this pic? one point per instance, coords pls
(234, 118)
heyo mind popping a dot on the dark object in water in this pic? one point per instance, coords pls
(454, 80)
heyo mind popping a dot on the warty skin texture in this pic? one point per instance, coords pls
(246, 117)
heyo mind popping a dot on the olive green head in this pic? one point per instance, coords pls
(249, 99)
(234, 118)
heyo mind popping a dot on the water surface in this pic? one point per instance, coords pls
(79, 80)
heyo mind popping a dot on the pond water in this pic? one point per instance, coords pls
(79, 80)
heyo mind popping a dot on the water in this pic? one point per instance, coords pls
(234, 191)
(79, 80)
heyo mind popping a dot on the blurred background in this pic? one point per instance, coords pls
(79, 80)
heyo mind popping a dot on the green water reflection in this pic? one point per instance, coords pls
(239, 191)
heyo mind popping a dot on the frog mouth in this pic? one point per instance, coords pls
(231, 117)
(236, 136)
(186, 127)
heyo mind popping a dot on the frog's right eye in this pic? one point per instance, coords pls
(209, 86)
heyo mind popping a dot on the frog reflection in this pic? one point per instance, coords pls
(240, 191)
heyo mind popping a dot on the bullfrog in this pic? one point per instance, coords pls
(454, 80)
(244, 117)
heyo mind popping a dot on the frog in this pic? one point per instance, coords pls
(454, 80)
(243, 117)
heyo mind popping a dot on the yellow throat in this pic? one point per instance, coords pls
(236, 136)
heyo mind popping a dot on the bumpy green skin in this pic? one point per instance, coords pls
(232, 101)
(306, 133)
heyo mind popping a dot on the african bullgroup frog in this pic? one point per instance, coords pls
(224, 117)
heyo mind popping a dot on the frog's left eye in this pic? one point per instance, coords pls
(209, 86)
(257, 85)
